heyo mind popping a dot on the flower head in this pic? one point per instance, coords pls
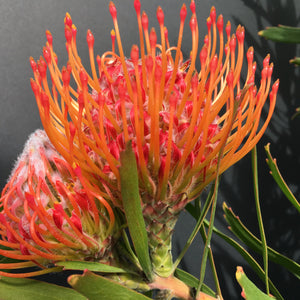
(49, 215)
(177, 118)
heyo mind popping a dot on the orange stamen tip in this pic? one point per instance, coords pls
(214, 64)
(153, 38)
(208, 23)
(137, 6)
(47, 55)
(145, 21)
(250, 54)
(166, 32)
(193, 7)
(160, 16)
(264, 73)
(275, 86)
(266, 61)
(49, 37)
(42, 67)
(74, 31)
(183, 13)
(213, 14)
(220, 24)
(90, 39)
(203, 55)
(32, 64)
(68, 20)
(270, 70)
(232, 44)
(113, 10)
(34, 86)
(68, 34)
(228, 29)
(240, 34)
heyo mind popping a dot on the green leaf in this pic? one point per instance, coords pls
(274, 171)
(91, 266)
(132, 207)
(96, 287)
(295, 61)
(28, 289)
(193, 282)
(281, 33)
(250, 291)
(249, 259)
(241, 232)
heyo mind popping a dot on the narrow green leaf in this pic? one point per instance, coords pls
(96, 287)
(242, 232)
(133, 210)
(193, 282)
(249, 259)
(89, 265)
(283, 34)
(295, 60)
(259, 216)
(250, 291)
(28, 289)
(279, 180)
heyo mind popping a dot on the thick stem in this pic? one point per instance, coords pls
(177, 288)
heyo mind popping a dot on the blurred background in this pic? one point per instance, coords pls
(22, 34)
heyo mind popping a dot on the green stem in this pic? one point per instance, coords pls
(259, 216)
(199, 223)
(212, 263)
(210, 230)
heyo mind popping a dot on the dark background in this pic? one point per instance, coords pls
(22, 28)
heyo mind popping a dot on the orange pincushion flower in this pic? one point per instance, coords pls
(178, 119)
(185, 126)
(48, 215)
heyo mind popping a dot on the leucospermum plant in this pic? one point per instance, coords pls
(129, 145)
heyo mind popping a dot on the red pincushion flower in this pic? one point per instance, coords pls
(48, 215)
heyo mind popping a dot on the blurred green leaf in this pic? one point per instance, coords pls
(193, 282)
(29, 289)
(132, 207)
(96, 287)
(281, 33)
(241, 232)
(249, 289)
(274, 171)
(91, 266)
(295, 61)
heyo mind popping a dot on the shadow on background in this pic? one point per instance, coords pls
(281, 220)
